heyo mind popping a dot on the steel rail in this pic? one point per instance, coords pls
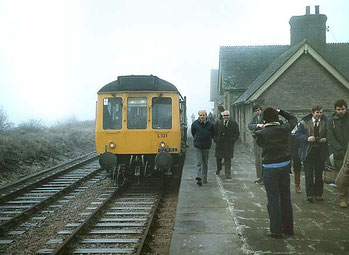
(64, 247)
(44, 176)
(15, 220)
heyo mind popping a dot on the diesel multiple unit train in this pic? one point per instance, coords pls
(141, 128)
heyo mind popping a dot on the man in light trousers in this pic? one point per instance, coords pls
(203, 131)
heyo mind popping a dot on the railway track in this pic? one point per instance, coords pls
(116, 223)
(32, 194)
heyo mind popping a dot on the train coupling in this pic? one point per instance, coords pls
(163, 160)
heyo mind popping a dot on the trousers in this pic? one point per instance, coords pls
(202, 162)
(277, 186)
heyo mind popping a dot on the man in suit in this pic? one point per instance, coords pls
(227, 133)
(312, 133)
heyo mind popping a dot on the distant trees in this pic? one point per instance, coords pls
(4, 123)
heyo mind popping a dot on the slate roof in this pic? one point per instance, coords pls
(138, 83)
(241, 65)
(268, 72)
(336, 54)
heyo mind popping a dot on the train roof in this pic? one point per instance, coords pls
(138, 83)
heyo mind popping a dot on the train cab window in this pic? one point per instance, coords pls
(137, 113)
(162, 113)
(112, 113)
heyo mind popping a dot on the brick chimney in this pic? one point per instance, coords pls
(311, 27)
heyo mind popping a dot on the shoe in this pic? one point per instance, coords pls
(228, 177)
(319, 198)
(258, 181)
(298, 189)
(199, 181)
(343, 204)
(217, 172)
(310, 199)
(276, 236)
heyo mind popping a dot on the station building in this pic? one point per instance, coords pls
(292, 77)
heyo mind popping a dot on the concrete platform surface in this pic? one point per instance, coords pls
(229, 216)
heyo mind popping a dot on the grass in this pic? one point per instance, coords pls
(31, 145)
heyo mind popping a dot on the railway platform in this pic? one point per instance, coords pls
(229, 216)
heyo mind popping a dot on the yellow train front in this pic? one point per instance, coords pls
(141, 127)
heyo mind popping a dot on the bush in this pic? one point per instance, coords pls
(32, 142)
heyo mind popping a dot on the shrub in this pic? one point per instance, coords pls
(33, 142)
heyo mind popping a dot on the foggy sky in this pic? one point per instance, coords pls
(56, 55)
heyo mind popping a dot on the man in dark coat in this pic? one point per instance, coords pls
(276, 159)
(203, 131)
(338, 138)
(227, 133)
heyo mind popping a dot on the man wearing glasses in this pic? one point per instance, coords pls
(227, 133)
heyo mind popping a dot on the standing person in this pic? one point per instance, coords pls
(192, 117)
(220, 110)
(255, 124)
(227, 133)
(312, 133)
(276, 156)
(296, 161)
(203, 132)
(211, 117)
(338, 138)
(342, 180)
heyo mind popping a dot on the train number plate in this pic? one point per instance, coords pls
(168, 150)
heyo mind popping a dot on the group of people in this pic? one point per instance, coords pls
(225, 132)
(276, 149)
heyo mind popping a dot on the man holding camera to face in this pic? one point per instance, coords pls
(312, 134)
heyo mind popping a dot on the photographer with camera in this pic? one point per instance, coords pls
(312, 133)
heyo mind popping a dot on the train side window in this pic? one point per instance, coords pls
(112, 113)
(162, 113)
(137, 113)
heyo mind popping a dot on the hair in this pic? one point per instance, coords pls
(340, 103)
(270, 115)
(225, 113)
(202, 111)
(221, 108)
(255, 107)
(316, 108)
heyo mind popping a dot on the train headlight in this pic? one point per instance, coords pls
(112, 145)
(162, 144)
